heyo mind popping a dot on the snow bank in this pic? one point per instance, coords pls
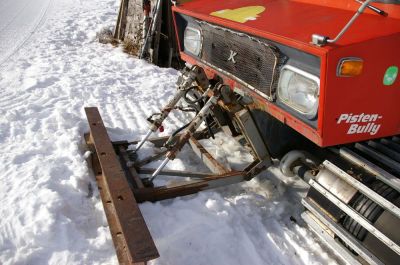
(49, 214)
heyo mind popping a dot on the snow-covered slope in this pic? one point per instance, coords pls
(48, 214)
(18, 21)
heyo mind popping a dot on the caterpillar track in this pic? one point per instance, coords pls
(353, 201)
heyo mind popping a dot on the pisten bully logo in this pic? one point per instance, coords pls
(361, 123)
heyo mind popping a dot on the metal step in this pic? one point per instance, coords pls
(347, 238)
(392, 164)
(385, 150)
(356, 216)
(373, 169)
(378, 199)
(391, 144)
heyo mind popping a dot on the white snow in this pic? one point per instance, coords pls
(18, 21)
(51, 67)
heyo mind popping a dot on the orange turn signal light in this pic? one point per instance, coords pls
(348, 67)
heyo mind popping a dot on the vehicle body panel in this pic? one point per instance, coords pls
(373, 38)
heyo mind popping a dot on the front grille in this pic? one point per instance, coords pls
(247, 59)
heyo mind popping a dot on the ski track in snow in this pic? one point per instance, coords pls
(46, 214)
(18, 21)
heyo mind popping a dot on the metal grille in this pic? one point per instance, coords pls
(243, 57)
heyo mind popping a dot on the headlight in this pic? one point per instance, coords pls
(192, 41)
(299, 90)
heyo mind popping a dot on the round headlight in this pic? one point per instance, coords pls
(299, 90)
(192, 41)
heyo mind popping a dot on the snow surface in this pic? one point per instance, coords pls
(18, 21)
(51, 66)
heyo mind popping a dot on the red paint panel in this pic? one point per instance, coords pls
(392, 9)
(373, 38)
(293, 23)
(365, 94)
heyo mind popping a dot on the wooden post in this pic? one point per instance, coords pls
(119, 32)
(156, 37)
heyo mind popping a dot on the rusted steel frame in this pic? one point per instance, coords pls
(149, 159)
(132, 175)
(255, 168)
(160, 141)
(176, 173)
(189, 131)
(157, 141)
(187, 188)
(130, 234)
(214, 165)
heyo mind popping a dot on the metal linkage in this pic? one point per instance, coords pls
(373, 169)
(176, 173)
(363, 189)
(187, 133)
(198, 182)
(141, 143)
(341, 233)
(188, 187)
(356, 216)
(214, 165)
(185, 82)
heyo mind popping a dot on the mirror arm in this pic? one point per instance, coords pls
(321, 40)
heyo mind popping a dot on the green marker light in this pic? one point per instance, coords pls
(390, 75)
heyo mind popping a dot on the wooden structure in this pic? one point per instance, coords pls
(161, 48)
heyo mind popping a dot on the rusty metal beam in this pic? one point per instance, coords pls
(131, 237)
(149, 159)
(176, 173)
(188, 187)
(160, 141)
(214, 165)
(129, 171)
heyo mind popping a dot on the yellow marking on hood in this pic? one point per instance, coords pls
(241, 15)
